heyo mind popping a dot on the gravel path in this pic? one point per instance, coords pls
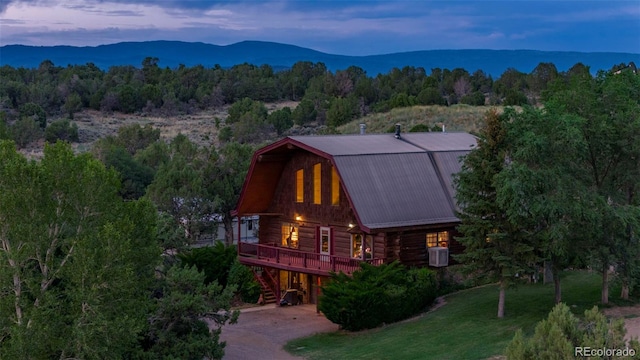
(261, 332)
(631, 315)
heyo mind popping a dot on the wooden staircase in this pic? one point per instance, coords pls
(264, 279)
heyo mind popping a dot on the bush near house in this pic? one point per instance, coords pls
(242, 278)
(376, 295)
(219, 263)
(214, 261)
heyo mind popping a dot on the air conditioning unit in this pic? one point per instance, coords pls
(438, 256)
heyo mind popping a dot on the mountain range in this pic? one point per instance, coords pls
(281, 56)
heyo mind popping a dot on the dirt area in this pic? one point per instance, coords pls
(631, 315)
(261, 332)
(199, 127)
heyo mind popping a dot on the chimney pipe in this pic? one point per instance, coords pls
(362, 129)
(397, 135)
(443, 129)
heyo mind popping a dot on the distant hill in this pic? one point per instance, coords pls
(282, 56)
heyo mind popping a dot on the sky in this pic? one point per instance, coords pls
(364, 27)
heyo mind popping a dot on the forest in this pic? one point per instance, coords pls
(51, 94)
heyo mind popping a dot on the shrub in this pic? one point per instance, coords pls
(281, 120)
(476, 99)
(514, 98)
(452, 279)
(340, 112)
(61, 130)
(420, 128)
(242, 277)
(225, 134)
(304, 113)
(177, 329)
(430, 96)
(377, 295)
(558, 336)
(25, 131)
(246, 106)
(214, 261)
(4, 129)
(34, 112)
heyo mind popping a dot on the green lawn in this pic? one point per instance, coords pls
(465, 328)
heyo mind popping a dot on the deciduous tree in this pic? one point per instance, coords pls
(75, 260)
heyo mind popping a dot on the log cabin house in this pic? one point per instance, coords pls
(328, 203)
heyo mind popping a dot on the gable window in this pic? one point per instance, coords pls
(440, 238)
(361, 249)
(300, 186)
(289, 235)
(317, 183)
(335, 187)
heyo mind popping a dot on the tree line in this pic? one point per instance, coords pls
(324, 97)
(557, 185)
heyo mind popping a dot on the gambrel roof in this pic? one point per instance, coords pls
(390, 182)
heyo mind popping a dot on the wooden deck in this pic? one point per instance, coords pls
(296, 260)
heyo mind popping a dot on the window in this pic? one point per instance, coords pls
(289, 235)
(335, 187)
(324, 243)
(300, 186)
(358, 248)
(438, 239)
(317, 183)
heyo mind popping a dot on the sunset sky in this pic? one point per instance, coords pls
(363, 27)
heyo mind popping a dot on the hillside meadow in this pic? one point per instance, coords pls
(465, 327)
(203, 127)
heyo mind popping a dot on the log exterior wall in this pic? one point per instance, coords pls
(410, 245)
(337, 217)
(407, 245)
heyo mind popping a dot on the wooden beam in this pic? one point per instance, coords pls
(273, 158)
(262, 214)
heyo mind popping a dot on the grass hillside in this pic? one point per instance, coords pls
(455, 118)
(466, 327)
(201, 127)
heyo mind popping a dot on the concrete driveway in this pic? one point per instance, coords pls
(261, 332)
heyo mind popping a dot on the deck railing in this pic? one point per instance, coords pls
(301, 259)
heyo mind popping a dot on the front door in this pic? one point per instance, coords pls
(325, 243)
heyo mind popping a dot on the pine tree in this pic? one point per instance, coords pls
(494, 247)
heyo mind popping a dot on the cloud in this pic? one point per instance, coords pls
(12, 22)
(359, 27)
(4, 4)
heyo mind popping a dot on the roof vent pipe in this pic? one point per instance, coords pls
(362, 128)
(397, 135)
(443, 129)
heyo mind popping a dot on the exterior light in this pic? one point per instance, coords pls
(351, 226)
(298, 218)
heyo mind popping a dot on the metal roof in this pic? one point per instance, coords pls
(390, 182)
(337, 145)
(441, 141)
(392, 190)
(449, 163)
(357, 144)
